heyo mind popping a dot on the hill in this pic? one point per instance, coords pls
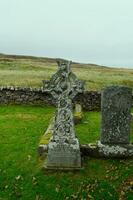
(29, 71)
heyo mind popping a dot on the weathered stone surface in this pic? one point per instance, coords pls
(116, 115)
(107, 151)
(115, 151)
(43, 144)
(100, 150)
(116, 123)
(89, 100)
(78, 113)
(64, 81)
(63, 148)
(63, 155)
(28, 96)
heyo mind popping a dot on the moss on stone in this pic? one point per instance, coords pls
(78, 113)
(45, 138)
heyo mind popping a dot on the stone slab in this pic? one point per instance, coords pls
(116, 115)
(99, 150)
(63, 155)
(115, 151)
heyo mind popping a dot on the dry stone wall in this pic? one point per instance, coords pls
(29, 96)
(90, 100)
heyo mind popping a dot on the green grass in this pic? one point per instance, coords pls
(29, 72)
(21, 174)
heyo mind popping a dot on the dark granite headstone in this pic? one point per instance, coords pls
(116, 115)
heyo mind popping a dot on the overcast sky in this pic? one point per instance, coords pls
(91, 31)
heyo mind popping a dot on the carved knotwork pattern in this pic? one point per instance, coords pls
(64, 86)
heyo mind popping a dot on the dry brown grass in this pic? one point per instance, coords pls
(30, 71)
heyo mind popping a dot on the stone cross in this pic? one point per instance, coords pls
(64, 80)
(116, 102)
(63, 148)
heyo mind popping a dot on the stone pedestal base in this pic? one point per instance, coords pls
(63, 156)
(112, 151)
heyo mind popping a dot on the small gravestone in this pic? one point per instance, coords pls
(116, 121)
(63, 148)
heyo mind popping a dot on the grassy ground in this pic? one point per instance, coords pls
(21, 176)
(30, 71)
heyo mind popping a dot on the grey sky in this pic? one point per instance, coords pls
(96, 31)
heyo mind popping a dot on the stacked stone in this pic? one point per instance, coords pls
(90, 100)
(30, 96)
